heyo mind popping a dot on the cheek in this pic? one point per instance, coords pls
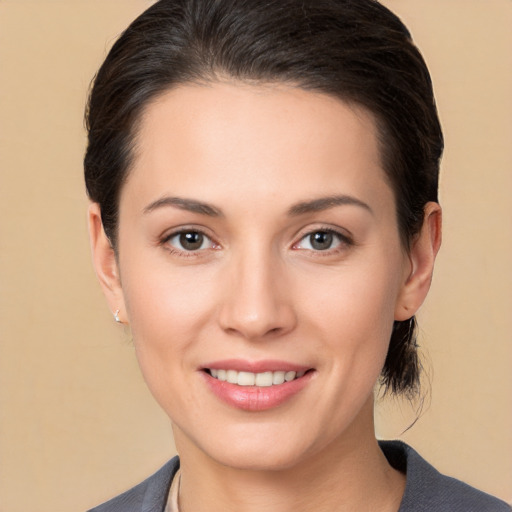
(353, 308)
(354, 299)
(165, 300)
(168, 309)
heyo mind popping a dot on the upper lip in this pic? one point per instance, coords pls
(270, 365)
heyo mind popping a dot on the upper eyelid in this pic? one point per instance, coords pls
(168, 234)
(344, 234)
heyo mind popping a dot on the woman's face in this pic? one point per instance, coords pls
(258, 242)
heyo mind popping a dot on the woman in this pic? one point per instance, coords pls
(264, 217)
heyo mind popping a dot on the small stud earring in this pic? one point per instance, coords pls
(116, 316)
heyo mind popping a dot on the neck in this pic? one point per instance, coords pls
(350, 474)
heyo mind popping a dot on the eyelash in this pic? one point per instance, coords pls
(183, 252)
(344, 240)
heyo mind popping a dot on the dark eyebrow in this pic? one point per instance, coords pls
(324, 203)
(190, 205)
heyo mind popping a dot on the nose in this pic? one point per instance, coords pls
(257, 301)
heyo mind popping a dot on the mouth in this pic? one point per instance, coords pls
(263, 379)
(256, 386)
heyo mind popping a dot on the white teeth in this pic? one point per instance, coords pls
(278, 377)
(289, 376)
(246, 379)
(264, 379)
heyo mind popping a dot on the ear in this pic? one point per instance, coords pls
(422, 256)
(105, 263)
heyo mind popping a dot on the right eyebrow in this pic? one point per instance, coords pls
(182, 203)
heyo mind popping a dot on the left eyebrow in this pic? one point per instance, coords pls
(325, 203)
(183, 203)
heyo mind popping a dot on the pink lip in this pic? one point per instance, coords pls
(254, 398)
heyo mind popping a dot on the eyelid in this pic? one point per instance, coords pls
(169, 235)
(344, 238)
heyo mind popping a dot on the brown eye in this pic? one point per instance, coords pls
(191, 241)
(188, 241)
(321, 240)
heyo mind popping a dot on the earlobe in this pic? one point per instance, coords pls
(422, 256)
(105, 263)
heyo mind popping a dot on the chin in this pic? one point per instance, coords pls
(257, 459)
(258, 448)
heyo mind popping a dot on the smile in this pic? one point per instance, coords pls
(256, 386)
(264, 379)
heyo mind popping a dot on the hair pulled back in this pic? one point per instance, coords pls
(355, 50)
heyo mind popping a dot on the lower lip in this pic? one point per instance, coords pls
(255, 398)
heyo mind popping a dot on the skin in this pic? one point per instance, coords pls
(257, 289)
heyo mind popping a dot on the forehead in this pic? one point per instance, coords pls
(227, 139)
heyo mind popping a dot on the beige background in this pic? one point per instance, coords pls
(77, 424)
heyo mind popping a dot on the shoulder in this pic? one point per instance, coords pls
(428, 490)
(149, 496)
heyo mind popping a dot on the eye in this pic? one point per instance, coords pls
(189, 241)
(321, 240)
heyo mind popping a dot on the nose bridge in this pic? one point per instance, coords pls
(256, 304)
